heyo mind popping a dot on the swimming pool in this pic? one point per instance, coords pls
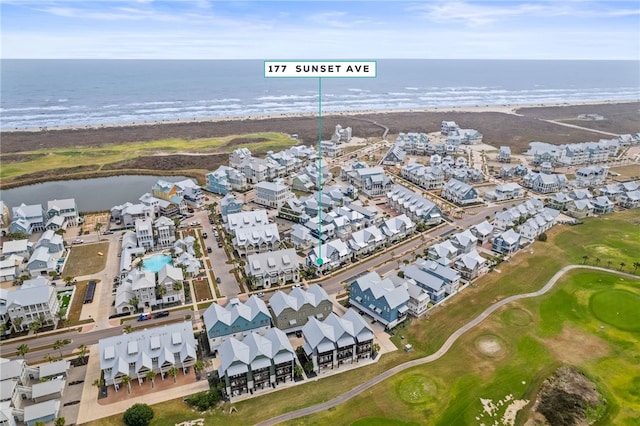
(156, 262)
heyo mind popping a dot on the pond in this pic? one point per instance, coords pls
(97, 194)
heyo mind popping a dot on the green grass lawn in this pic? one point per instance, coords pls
(85, 259)
(452, 386)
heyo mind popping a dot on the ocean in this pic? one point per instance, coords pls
(49, 93)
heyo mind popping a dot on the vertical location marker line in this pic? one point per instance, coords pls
(319, 70)
(319, 260)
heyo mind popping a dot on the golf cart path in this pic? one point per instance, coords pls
(436, 355)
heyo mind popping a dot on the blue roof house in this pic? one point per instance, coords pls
(380, 299)
(507, 243)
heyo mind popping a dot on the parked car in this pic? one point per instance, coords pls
(260, 294)
(161, 314)
(208, 249)
(218, 280)
(144, 317)
(78, 241)
(204, 235)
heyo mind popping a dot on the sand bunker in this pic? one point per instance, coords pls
(490, 345)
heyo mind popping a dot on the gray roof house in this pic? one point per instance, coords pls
(459, 192)
(246, 220)
(259, 361)
(398, 227)
(35, 299)
(273, 268)
(235, 319)
(256, 239)
(153, 349)
(291, 311)
(336, 341)
(415, 206)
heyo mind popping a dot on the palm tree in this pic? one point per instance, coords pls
(22, 350)
(161, 291)
(97, 228)
(622, 265)
(98, 383)
(82, 352)
(608, 264)
(151, 376)
(597, 261)
(60, 315)
(126, 379)
(127, 329)
(584, 259)
(35, 326)
(198, 366)
(134, 303)
(60, 343)
(636, 265)
(173, 372)
(49, 358)
(67, 280)
(177, 286)
(17, 324)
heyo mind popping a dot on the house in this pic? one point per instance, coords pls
(164, 230)
(448, 126)
(246, 220)
(171, 192)
(302, 182)
(35, 300)
(380, 299)
(277, 267)
(341, 134)
(427, 177)
(398, 228)
(591, 176)
(126, 214)
(11, 267)
(536, 225)
(235, 319)
(504, 192)
(544, 183)
(416, 207)
(256, 362)
(470, 265)
(138, 285)
(301, 237)
(630, 200)
(459, 193)
(459, 137)
(330, 149)
(294, 210)
(156, 349)
(436, 279)
(22, 248)
(504, 156)
(27, 219)
(482, 231)
(229, 205)
(226, 179)
(256, 239)
(371, 181)
(271, 194)
(443, 253)
(44, 259)
(579, 208)
(286, 159)
(366, 240)
(602, 205)
(559, 201)
(290, 312)
(336, 341)
(580, 194)
(507, 242)
(413, 143)
(329, 255)
(65, 209)
(419, 299)
(171, 280)
(144, 233)
(393, 157)
(238, 157)
(464, 241)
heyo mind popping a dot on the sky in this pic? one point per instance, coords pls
(212, 29)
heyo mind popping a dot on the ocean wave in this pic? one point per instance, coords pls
(285, 97)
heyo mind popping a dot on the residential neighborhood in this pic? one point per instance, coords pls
(246, 282)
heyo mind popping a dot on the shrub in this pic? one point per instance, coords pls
(542, 237)
(138, 415)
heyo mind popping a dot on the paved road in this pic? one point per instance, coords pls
(436, 355)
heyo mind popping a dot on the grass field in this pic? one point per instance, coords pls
(84, 259)
(30, 162)
(529, 339)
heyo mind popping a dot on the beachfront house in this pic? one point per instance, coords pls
(470, 265)
(544, 183)
(504, 156)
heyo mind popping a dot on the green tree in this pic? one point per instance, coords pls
(622, 265)
(35, 326)
(128, 328)
(59, 344)
(134, 303)
(542, 237)
(173, 372)
(97, 228)
(585, 258)
(98, 383)
(161, 291)
(597, 261)
(82, 352)
(177, 286)
(636, 265)
(67, 280)
(198, 366)
(138, 415)
(60, 421)
(17, 324)
(22, 350)
(151, 376)
(126, 379)
(49, 358)
(60, 315)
